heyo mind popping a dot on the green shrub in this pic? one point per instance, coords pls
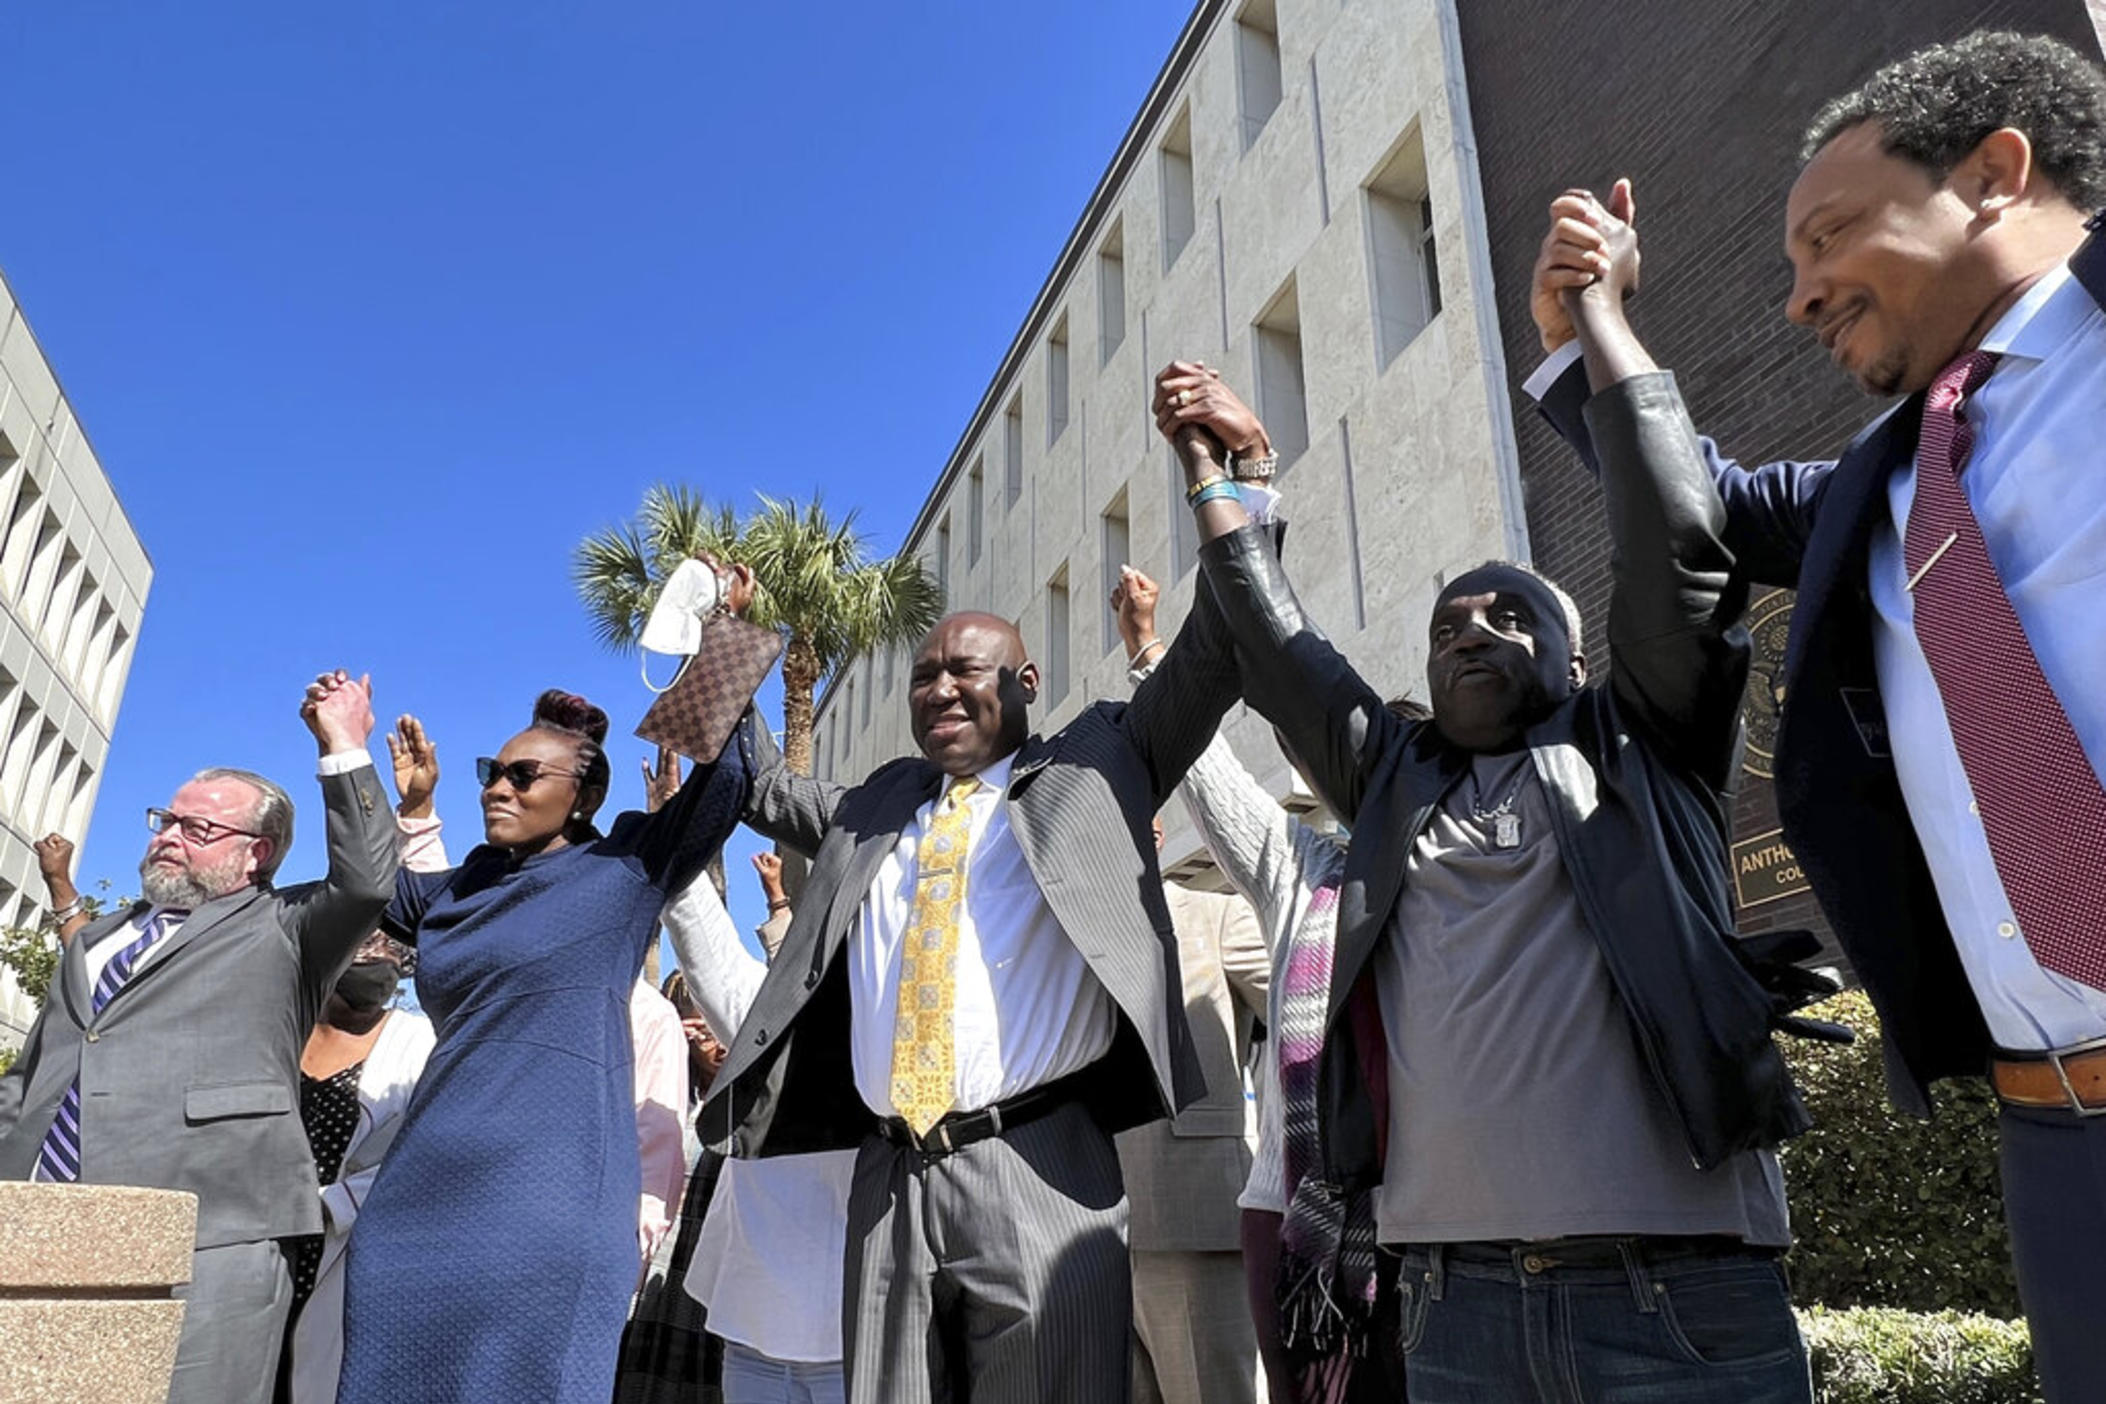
(1877, 1355)
(1887, 1210)
(7, 1059)
(32, 955)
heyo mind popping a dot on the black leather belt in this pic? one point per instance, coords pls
(1541, 1255)
(957, 1130)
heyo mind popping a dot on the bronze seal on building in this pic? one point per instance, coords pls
(1769, 626)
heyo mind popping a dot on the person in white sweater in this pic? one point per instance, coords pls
(768, 1261)
(1316, 1323)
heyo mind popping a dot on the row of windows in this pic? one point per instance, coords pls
(1404, 296)
(44, 781)
(53, 593)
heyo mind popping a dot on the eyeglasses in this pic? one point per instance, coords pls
(194, 828)
(519, 774)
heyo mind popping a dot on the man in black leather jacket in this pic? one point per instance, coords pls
(1582, 1088)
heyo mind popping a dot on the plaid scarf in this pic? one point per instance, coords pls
(1326, 1286)
(667, 1354)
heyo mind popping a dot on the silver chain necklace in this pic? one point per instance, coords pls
(1504, 823)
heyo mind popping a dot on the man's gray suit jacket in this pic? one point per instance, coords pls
(190, 1076)
(1183, 1176)
(1079, 803)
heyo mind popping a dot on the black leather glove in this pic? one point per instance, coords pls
(1773, 958)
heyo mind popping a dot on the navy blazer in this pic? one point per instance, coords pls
(1809, 525)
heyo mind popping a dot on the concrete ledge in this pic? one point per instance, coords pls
(94, 1237)
(87, 1352)
(87, 1277)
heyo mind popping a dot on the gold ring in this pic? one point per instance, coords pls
(1182, 398)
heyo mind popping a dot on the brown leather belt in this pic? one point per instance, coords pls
(2072, 1078)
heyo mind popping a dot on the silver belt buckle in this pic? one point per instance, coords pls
(2056, 1055)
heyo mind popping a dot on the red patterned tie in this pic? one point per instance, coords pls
(2039, 797)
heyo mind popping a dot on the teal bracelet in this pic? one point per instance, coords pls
(1213, 492)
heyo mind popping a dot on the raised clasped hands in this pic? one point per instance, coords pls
(734, 578)
(1204, 418)
(416, 760)
(338, 709)
(1591, 249)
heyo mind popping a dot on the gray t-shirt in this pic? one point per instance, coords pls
(1519, 1102)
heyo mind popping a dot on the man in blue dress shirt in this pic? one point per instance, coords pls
(1939, 759)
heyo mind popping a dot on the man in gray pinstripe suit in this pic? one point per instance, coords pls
(986, 1238)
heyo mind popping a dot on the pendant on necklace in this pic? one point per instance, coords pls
(1506, 831)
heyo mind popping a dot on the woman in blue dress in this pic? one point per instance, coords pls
(496, 1255)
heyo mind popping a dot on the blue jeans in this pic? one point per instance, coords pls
(1599, 1321)
(753, 1378)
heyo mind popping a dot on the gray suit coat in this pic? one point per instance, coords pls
(190, 1076)
(1079, 804)
(1183, 1175)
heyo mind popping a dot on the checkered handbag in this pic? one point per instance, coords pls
(695, 716)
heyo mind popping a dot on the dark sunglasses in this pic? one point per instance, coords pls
(519, 774)
(194, 828)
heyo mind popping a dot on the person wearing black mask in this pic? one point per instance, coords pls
(357, 1072)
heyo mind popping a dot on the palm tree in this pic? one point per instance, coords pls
(816, 583)
(618, 569)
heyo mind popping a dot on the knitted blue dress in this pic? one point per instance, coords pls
(496, 1254)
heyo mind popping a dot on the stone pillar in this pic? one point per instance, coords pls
(87, 1279)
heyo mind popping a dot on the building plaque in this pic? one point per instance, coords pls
(1765, 870)
(1769, 626)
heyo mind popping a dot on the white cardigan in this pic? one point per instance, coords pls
(1277, 862)
(769, 1259)
(385, 1084)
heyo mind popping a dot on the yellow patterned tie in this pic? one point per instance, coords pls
(924, 1049)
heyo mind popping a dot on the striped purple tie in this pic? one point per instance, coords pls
(59, 1158)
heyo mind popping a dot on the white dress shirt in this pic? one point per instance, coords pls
(2035, 484)
(1028, 1009)
(98, 956)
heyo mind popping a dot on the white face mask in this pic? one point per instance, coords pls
(689, 597)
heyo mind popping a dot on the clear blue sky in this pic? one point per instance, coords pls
(371, 311)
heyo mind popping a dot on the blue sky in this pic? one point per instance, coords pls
(371, 311)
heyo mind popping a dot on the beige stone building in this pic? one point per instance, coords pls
(73, 584)
(1297, 203)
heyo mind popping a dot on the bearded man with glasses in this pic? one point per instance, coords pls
(168, 1052)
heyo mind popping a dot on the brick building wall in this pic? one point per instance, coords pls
(1702, 106)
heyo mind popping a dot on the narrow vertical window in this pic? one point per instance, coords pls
(1057, 380)
(1111, 293)
(975, 514)
(1257, 66)
(20, 537)
(1175, 160)
(943, 560)
(1115, 538)
(1282, 403)
(1402, 267)
(1057, 638)
(1013, 451)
